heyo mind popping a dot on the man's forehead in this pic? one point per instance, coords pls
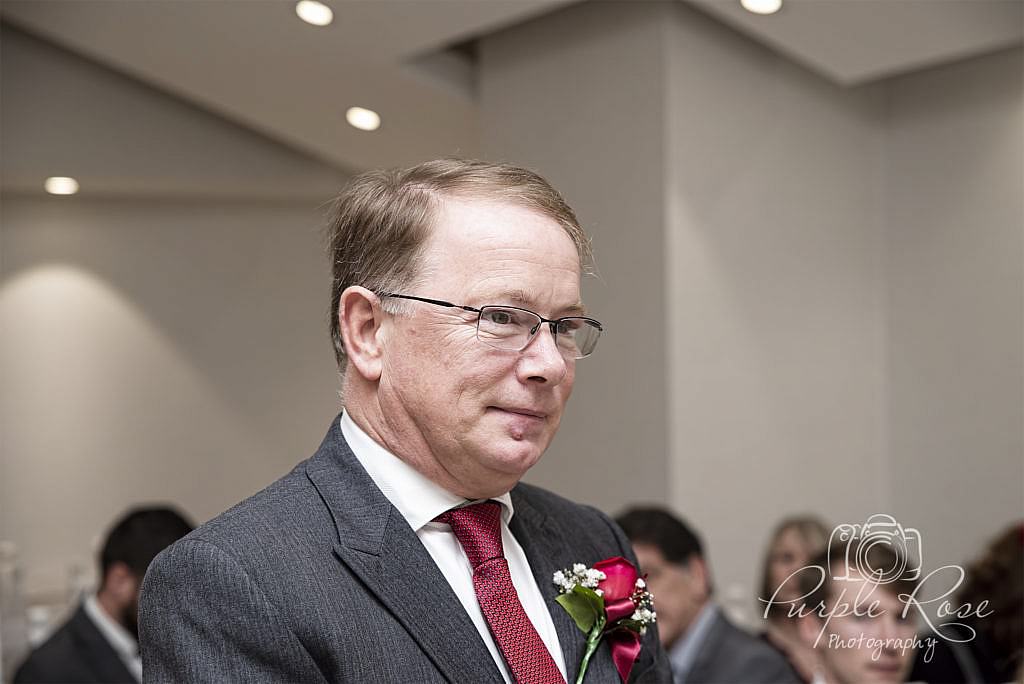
(479, 223)
(868, 589)
(503, 253)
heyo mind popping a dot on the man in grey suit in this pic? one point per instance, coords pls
(405, 549)
(704, 646)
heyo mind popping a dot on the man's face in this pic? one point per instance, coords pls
(680, 590)
(878, 656)
(470, 417)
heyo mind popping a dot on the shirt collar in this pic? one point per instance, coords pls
(684, 653)
(120, 638)
(417, 498)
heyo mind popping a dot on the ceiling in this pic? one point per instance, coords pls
(257, 64)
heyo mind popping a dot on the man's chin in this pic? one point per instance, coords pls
(508, 460)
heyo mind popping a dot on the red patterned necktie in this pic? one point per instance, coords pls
(478, 528)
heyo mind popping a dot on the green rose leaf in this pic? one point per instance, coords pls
(583, 605)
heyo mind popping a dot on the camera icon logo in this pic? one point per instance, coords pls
(879, 530)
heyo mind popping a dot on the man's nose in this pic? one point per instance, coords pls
(889, 626)
(542, 360)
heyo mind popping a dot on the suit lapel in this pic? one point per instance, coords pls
(548, 549)
(377, 545)
(94, 649)
(707, 649)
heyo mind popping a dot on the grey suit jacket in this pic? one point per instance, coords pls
(731, 656)
(319, 578)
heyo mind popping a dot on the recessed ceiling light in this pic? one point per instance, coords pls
(762, 6)
(313, 12)
(61, 185)
(363, 119)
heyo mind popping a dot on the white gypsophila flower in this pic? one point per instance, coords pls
(591, 578)
(640, 584)
(643, 615)
(567, 579)
(578, 575)
(599, 592)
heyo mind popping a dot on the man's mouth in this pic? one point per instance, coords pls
(528, 412)
(888, 668)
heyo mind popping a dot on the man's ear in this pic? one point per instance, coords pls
(360, 319)
(697, 568)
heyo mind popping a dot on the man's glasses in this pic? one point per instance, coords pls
(511, 328)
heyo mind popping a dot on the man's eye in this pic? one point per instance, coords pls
(499, 317)
(569, 326)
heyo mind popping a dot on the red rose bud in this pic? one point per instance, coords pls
(617, 587)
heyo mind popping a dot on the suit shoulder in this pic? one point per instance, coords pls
(258, 515)
(752, 658)
(55, 660)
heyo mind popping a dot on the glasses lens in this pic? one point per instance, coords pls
(506, 328)
(512, 329)
(577, 337)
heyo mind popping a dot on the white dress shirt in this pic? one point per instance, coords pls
(119, 638)
(420, 500)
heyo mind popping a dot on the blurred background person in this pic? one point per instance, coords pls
(99, 643)
(703, 645)
(993, 653)
(856, 645)
(795, 541)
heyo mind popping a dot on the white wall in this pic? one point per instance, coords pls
(777, 281)
(955, 265)
(164, 333)
(849, 272)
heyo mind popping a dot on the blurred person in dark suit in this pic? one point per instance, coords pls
(703, 645)
(990, 648)
(99, 643)
(793, 543)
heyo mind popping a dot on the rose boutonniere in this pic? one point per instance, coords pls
(611, 600)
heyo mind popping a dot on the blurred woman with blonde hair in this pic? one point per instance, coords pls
(795, 541)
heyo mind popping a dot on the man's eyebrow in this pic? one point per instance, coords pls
(575, 310)
(521, 299)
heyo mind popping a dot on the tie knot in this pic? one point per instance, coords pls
(478, 529)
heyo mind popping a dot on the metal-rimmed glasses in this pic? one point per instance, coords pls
(512, 329)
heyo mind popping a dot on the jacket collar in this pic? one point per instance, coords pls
(377, 545)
